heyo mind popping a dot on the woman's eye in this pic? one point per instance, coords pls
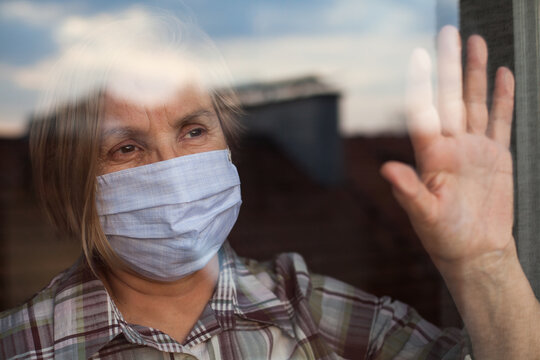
(127, 149)
(195, 132)
(127, 152)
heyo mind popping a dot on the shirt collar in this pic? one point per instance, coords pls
(252, 294)
(85, 315)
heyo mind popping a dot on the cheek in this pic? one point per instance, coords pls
(221, 141)
(212, 142)
(215, 139)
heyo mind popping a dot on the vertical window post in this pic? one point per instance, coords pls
(511, 29)
(526, 141)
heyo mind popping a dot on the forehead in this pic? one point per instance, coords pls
(183, 101)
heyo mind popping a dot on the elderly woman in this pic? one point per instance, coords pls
(141, 174)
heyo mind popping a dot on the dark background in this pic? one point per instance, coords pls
(305, 189)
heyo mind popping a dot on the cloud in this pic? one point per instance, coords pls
(370, 70)
(363, 51)
(361, 47)
(341, 16)
(137, 54)
(33, 13)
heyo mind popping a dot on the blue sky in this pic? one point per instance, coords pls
(359, 46)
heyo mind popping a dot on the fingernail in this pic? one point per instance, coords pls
(508, 80)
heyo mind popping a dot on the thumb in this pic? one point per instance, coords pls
(410, 192)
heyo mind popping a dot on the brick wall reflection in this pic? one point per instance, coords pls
(354, 231)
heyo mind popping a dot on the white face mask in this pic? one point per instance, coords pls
(167, 220)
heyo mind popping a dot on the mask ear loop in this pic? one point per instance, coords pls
(229, 154)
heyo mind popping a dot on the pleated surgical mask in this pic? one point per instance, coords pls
(167, 219)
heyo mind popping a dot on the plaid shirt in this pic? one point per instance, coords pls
(273, 310)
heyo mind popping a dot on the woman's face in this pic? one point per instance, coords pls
(134, 135)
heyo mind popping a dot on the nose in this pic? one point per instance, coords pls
(166, 151)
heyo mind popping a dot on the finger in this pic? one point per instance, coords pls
(476, 85)
(502, 110)
(450, 99)
(422, 119)
(410, 192)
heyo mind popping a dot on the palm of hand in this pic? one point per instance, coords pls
(469, 181)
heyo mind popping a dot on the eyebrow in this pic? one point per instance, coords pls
(129, 131)
(193, 115)
(122, 132)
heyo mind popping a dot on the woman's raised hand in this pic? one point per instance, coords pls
(460, 199)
